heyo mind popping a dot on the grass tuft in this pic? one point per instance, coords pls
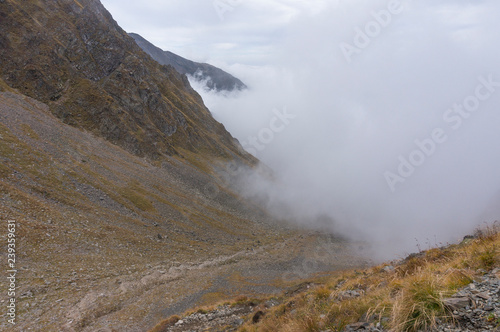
(419, 304)
(322, 293)
(488, 257)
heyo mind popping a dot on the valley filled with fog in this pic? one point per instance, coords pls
(383, 126)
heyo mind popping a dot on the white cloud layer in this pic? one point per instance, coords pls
(194, 28)
(361, 113)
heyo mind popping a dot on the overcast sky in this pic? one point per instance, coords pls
(380, 116)
(232, 31)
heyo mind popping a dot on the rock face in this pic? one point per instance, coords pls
(74, 57)
(216, 79)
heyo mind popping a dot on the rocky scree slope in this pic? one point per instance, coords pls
(215, 78)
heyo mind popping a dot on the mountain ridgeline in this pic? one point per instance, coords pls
(74, 57)
(215, 78)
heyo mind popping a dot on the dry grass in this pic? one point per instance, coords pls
(165, 324)
(419, 304)
(137, 198)
(410, 298)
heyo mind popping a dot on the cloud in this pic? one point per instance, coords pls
(368, 83)
(356, 120)
(194, 29)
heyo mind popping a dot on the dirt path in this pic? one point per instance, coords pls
(164, 291)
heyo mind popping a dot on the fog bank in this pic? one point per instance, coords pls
(380, 120)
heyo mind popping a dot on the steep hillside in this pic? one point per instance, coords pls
(216, 79)
(106, 239)
(73, 56)
(116, 177)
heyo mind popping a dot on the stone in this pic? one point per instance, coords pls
(238, 322)
(483, 295)
(271, 303)
(388, 268)
(359, 326)
(457, 303)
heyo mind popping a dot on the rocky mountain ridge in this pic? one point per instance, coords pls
(213, 77)
(74, 57)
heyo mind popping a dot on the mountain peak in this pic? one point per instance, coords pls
(215, 78)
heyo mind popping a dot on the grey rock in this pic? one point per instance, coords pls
(359, 326)
(271, 303)
(238, 322)
(457, 303)
(483, 295)
(388, 268)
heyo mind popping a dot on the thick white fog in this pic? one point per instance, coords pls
(382, 117)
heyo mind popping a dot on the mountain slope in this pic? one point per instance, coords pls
(88, 213)
(108, 240)
(73, 56)
(216, 79)
(117, 178)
